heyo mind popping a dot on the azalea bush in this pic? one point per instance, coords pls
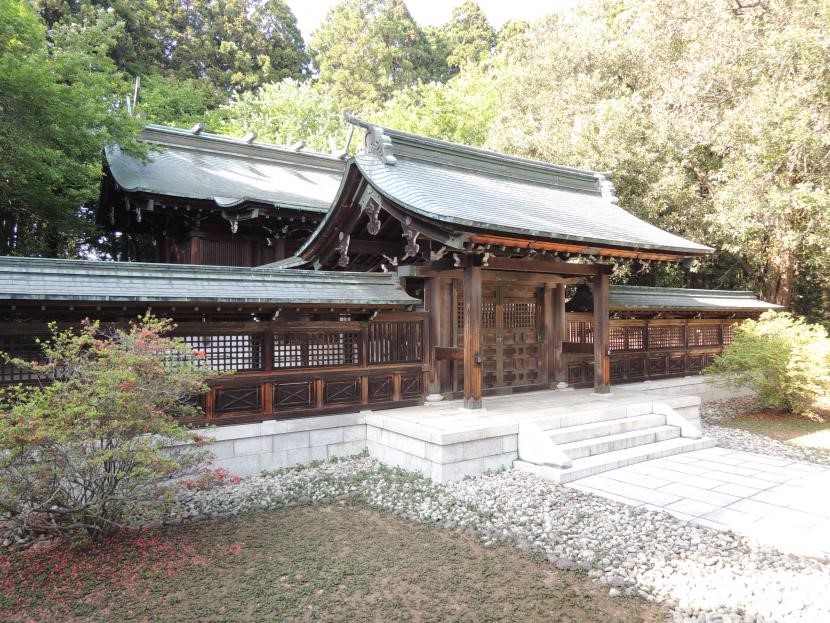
(782, 358)
(92, 446)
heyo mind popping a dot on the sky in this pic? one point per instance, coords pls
(435, 12)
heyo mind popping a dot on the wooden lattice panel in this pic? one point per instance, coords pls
(293, 395)
(728, 333)
(237, 399)
(669, 336)
(339, 392)
(229, 353)
(411, 386)
(316, 350)
(20, 347)
(703, 335)
(396, 342)
(581, 331)
(519, 315)
(380, 388)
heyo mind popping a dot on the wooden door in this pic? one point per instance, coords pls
(510, 336)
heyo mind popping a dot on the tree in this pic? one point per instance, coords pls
(783, 359)
(469, 35)
(60, 107)
(714, 121)
(284, 113)
(98, 445)
(168, 100)
(365, 50)
(234, 44)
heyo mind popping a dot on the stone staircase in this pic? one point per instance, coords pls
(564, 448)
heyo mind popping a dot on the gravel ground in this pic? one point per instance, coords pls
(713, 412)
(699, 574)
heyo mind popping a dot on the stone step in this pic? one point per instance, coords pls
(599, 463)
(608, 427)
(620, 441)
(591, 416)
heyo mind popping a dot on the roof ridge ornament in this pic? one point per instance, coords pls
(377, 143)
(606, 188)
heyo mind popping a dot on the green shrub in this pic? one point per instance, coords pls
(785, 360)
(93, 447)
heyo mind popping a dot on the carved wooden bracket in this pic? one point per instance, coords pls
(412, 248)
(372, 210)
(343, 249)
(378, 144)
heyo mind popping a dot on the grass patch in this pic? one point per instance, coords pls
(340, 562)
(789, 428)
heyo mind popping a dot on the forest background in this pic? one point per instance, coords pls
(713, 115)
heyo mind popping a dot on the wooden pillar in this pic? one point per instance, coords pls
(602, 369)
(548, 346)
(560, 332)
(432, 303)
(446, 329)
(472, 334)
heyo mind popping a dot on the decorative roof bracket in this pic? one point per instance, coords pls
(343, 249)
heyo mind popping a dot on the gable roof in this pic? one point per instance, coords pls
(227, 171)
(42, 279)
(622, 298)
(483, 190)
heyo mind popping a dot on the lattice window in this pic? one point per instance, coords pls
(316, 350)
(703, 335)
(581, 331)
(728, 333)
(665, 337)
(21, 347)
(518, 315)
(396, 342)
(616, 338)
(229, 353)
(488, 313)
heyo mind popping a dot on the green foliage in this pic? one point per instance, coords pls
(168, 100)
(87, 452)
(284, 113)
(365, 50)
(469, 35)
(235, 45)
(58, 109)
(785, 360)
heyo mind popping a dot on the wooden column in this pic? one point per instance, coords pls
(432, 303)
(602, 343)
(472, 334)
(445, 335)
(560, 333)
(548, 346)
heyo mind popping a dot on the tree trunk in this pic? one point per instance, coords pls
(778, 287)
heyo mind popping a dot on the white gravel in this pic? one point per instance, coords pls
(711, 415)
(699, 574)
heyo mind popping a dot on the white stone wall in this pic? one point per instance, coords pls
(247, 449)
(707, 388)
(443, 457)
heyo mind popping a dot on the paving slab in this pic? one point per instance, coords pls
(772, 500)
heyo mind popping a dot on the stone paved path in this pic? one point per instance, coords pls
(777, 501)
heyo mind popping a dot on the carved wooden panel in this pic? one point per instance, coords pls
(677, 364)
(380, 388)
(636, 367)
(657, 366)
(293, 395)
(237, 399)
(411, 386)
(339, 392)
(617, 369)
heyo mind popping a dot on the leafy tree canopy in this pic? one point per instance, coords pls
(58, 109)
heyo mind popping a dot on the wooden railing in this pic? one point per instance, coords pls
(289, 369)
(645, 349)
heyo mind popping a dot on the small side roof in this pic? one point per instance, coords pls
(629, 298)
(493, 192)
(227, 171)
(41, 279)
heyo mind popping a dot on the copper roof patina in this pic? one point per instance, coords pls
(227, 171)
(40, 279)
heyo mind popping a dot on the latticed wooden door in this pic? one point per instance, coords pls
(510, 335)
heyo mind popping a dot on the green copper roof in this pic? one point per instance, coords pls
(637, 297)
(39, 279)
(227, 171)
(489, 191)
